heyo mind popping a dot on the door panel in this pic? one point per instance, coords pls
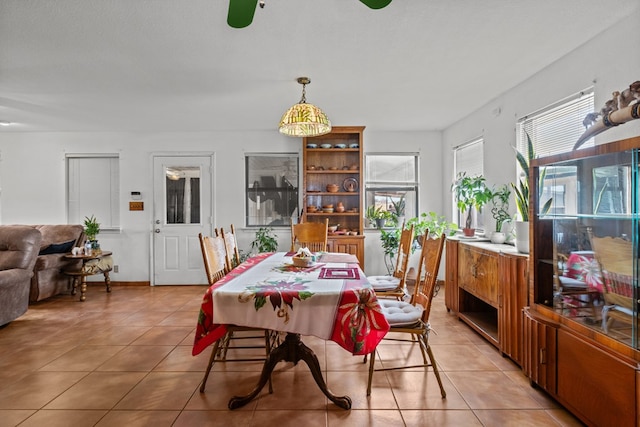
(182, 209)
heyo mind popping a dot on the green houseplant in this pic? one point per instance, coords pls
(265, 240)
(500, 212)
(521, 191)
(436, 224)
(91, 230)
(377, 215)
(399, 210)
(470, 192)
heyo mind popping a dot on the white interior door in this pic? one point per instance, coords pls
(182, 209)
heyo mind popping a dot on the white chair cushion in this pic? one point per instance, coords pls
(383, 283)
(400, 313)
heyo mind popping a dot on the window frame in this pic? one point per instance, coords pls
(250, 181)
(372, 186)
(477, 216)
(108, 218)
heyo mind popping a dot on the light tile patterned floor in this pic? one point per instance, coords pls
(124, 359)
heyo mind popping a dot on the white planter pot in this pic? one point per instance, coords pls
(498, 237)
(522, 236)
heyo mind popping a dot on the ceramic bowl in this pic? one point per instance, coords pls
(327, 210)
(327, 206)
(332, 228)
(340, 146)
(354, 146)
(312, 209)
(332, 188)
(326, 146)
(312, 145)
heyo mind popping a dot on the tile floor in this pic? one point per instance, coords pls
(124, 359)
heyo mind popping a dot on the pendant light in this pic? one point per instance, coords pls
(304, 120)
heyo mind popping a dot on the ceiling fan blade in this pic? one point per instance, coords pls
(241, 13)
(376, 4)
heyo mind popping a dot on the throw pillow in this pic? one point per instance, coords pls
(58, 248)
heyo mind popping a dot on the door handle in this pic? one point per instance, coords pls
(157, 221)
(157, 230)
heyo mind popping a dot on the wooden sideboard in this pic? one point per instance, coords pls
(486, 286)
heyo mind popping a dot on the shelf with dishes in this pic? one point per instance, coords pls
(332, 174)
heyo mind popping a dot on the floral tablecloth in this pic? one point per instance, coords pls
(266, 291)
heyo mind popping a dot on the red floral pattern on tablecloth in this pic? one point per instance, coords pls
(206, 331)
(584, 267)
(359, 325)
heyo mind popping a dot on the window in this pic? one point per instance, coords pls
(555, 129)
(271, 189)
(390, 180)
(182, 196)
(469, 158)
(93, 188)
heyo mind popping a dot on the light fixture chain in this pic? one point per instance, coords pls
(304, 94)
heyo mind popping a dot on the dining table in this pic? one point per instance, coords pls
(330, 299)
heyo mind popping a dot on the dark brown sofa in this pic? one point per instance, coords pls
(19, 246)
(57, 240)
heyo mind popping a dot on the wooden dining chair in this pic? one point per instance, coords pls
(413, 317)
(312, 235)
(616, 260)
(395, 285)
(231, 247)
(214, 254)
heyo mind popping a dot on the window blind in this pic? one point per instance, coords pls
(556, 128)
(469, 158)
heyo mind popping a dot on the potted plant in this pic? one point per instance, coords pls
(500, 212)
(377, 215)
(436, 224)
(390, 242)
(522, 197)
(470, 192)
(399, 209)
(265, 240)
(91, 230)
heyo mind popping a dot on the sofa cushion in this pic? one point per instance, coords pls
(58, 248)
(59, 233)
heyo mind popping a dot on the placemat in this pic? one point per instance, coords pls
(339, 273)
(338, 257)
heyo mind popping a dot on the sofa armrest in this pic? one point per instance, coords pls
(14, 275)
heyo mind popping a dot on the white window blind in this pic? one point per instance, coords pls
(93, 188)
(556, 128)
(469, 158)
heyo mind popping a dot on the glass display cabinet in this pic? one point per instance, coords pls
(589, 273)
(581, 330)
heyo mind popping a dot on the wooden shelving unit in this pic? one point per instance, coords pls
(342, 167)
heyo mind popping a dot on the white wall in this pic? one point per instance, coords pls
(611, 60)
(32, 173)
(32, 167)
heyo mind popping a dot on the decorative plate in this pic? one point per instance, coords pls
(350, 185)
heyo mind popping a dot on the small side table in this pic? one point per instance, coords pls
(81, 275)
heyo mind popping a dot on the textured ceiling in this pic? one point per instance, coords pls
(175, 65)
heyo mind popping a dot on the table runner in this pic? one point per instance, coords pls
(258, 293)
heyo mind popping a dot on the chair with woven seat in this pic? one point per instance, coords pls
(215, 264)
(615, 256)
(311, 235)
(231, 247)
(413, 317)
(395, 286)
